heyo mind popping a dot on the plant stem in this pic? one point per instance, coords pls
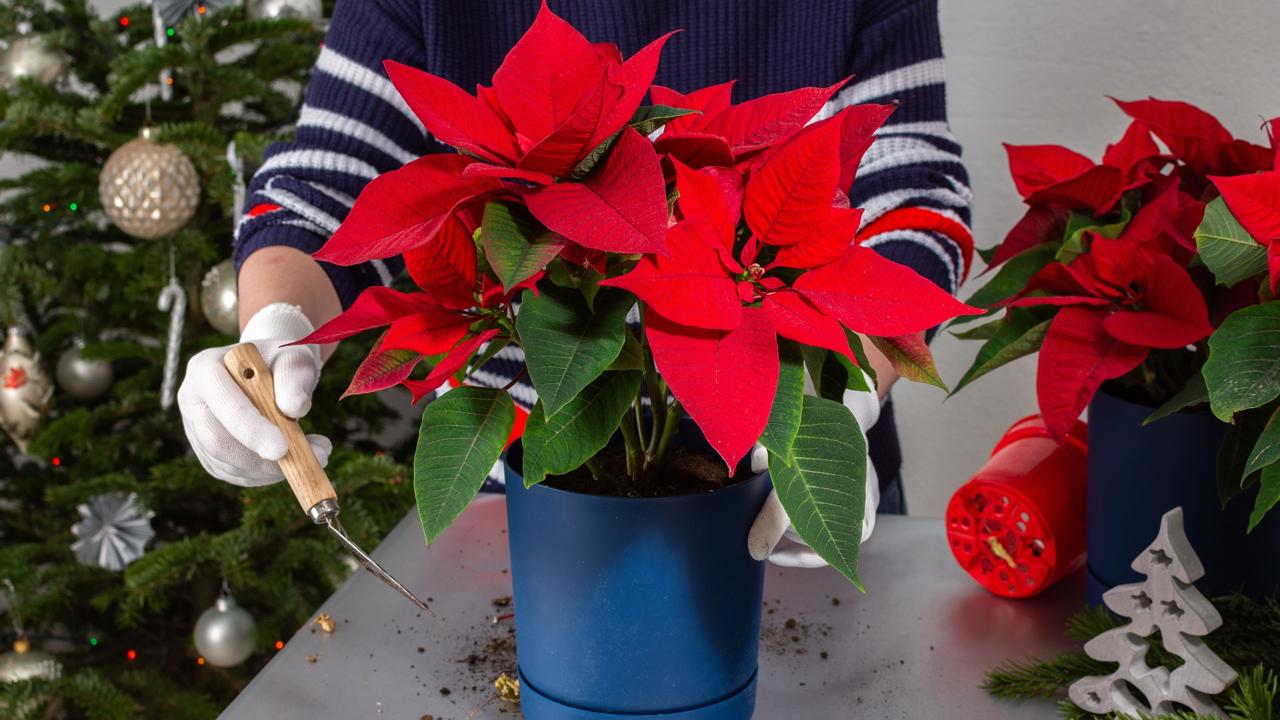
(657, 390)
(597, 472)
(641, 435)
(670, 426)
(631, 439)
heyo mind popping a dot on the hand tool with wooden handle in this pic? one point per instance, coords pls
(306, 478)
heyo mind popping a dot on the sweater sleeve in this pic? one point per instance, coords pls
(911, 183)
(353, 127)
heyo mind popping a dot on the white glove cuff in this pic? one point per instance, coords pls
(282, 323)
(865, 405)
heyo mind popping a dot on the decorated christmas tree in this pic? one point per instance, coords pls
(135, 131)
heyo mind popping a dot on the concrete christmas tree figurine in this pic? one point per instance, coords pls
(1167, 602)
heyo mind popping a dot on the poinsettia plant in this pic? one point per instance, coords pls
(1121, 271)
(572, 206)
(1242, 374)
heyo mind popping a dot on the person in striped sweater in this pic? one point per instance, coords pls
(354, 126)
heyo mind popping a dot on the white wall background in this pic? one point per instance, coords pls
(1038, 72)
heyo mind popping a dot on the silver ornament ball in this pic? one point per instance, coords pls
(29, 56)
(225, 633)
(219, 301)
(312, 10)
(82, 378)
(149, 189)
(27, 663)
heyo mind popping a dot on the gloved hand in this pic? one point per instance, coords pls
(772, 523)
(233, 441)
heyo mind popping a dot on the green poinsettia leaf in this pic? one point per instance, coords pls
(651, 117)
(1268, 494)
(631, 357)
(1018, 335)
(515, 245)
(1192, 394)
(982, 332)
(1233, 454)
(381, 369)
(1009, 279)
(784, 418)
(1266, 451)
(857, 381)
(1077, 225)
(567, 345)
(824, 488)
(1226, 248)
(1243, 369)
(646, 119)
(562, 443)
(910, 356)
(462, 436)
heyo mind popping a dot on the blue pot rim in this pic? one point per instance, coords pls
(613, 499)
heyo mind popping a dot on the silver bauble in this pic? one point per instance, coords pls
(29, 56)
(219, 300)
(225, 633)
(149, 189)
(81, 378)
(27, 663)
(312, 10)
(25, 389)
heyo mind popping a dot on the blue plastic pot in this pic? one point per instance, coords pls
(635, 607)
(1137, 474)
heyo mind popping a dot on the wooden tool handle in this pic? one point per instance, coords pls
(308, 480)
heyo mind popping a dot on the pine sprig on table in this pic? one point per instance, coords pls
(1249, 640)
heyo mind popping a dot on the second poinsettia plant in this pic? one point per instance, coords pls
(722, 231)
(1135, 271)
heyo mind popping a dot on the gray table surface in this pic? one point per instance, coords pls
(914, 647)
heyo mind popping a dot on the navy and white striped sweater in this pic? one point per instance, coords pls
(354, 125)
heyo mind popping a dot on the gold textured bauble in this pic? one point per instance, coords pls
(25, 389)
(29, 56)
(219, 301)
(149, 189)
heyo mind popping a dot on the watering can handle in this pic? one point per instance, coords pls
(306, 477)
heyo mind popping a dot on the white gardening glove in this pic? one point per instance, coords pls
(772, 523)
(233, 441)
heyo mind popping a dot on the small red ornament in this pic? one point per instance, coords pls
(15, 378)
(1018, 526)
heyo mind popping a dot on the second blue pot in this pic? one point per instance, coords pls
(1137, 474)
(635, 607)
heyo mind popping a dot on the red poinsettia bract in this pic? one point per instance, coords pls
(1054, 180)
(717, 301)
(555, 98)
(1122, 299)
